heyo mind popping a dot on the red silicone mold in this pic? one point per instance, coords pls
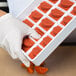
(25, 49)
(53, 1)
(45, 41)
(26, 21)
(35, 16)
(39, 31)
(56, 30)
(28, 42)
(56, 14)
(66, 20)
(46, 24)
(65, 4)
(74, 11)
(35, 52)
(44, 6)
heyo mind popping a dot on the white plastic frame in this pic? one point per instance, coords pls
(56, 40)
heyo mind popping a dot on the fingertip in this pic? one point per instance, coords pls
(27, 64)
(38, 36)
(35, 35)
(23, 58)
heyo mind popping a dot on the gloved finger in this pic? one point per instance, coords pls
(26, 30)
(20, 55)
(23, 59)
(15, 43)
(6, 45)
(33, 34)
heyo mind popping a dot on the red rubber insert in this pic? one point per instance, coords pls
(39, 31)
(65, 4)
(26, 21)
(53, 1)
(46, 24)
(35, 16)
(44, 6)
(25, 49)
(35, 52)
(28, 42)
(45, 41)
(56, 14)
(56, 30)
(74, 11)
(66, 20)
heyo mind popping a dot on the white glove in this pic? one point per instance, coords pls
(12, 32)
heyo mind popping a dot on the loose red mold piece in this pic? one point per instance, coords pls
(35, 16)
(28, 42)
(74, 11)
(35, 52)
(46, 24)
(56, 14)
(56, 30)
(42, 64)
(31, 68)
(45, 41)
(23, 65)
(26, 21)
(41, 70)
(25, 49)
(44, 6)
(65, 4)
(66, 20)
(53, 1)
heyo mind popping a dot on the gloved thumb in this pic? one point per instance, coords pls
(15, 41)
(33, 34)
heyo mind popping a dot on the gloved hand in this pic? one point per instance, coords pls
(12, 32)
